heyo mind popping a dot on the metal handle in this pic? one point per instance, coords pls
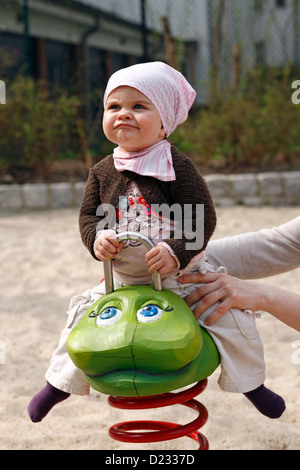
(108, 272)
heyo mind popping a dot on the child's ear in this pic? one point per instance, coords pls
(162, 131)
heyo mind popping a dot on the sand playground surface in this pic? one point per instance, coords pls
(43, 264)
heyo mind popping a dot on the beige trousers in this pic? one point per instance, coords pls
(235, 334)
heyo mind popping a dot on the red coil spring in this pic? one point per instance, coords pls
(161, 431)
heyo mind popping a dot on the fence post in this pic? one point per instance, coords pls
(26, 36)
(296, 15)
(144, 30)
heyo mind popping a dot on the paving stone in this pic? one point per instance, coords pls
(35, 196)
(11, 197)
(61, 195)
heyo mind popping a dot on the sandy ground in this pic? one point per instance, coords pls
(43, 264)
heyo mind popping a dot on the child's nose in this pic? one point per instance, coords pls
(124, 114)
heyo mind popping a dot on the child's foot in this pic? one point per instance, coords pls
(267, 402)
(42, 403)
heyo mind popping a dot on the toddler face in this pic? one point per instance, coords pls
(131, 120)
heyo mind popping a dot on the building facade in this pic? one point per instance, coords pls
(79, 43)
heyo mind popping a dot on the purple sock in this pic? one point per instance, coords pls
(42, 403)
(267, 402)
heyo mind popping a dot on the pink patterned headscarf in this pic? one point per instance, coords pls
(164, 86)
(172, 96)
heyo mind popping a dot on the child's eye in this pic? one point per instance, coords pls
(113, 106)
(138, 106)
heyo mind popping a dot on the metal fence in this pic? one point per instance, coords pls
(223, 39)
(78, 44)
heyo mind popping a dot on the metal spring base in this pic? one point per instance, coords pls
(161, 431)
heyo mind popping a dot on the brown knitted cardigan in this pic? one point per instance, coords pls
(105, 184)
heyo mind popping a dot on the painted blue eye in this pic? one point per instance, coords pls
(108, 316)
(149, 313)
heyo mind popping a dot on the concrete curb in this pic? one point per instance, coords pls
(274, 189)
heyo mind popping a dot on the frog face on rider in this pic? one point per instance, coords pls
(131, 120)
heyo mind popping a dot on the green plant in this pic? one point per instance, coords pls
(36, 126)
(245, 129)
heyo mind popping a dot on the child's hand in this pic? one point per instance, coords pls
(160, 259)
(107, 245)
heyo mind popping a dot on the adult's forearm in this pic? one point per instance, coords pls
(259, 254)
(280, 303)
(228, 292)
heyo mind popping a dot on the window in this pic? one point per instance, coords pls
(280, 3)
(260, 54)
(60, 62)
(258, 5)
(13, 44)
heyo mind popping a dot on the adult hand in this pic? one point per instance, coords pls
(219, 287)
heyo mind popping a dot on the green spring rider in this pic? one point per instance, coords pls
(142, 341)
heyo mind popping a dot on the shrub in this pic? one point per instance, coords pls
(36, 127)
(248, 129)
